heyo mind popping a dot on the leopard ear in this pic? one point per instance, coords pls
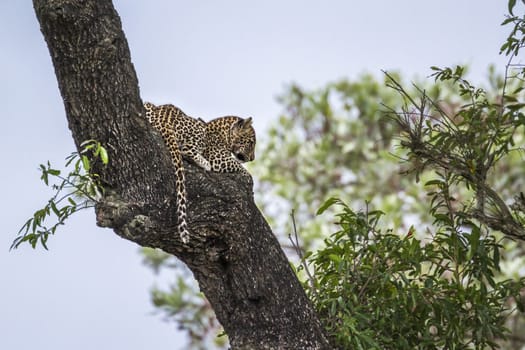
(242, 123)
(247, 122)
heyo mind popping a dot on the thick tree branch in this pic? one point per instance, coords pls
(233, 254)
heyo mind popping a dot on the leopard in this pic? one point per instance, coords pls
(220, 145)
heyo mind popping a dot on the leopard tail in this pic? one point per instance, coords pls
(182, 225)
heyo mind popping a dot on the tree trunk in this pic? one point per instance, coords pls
(233, 254)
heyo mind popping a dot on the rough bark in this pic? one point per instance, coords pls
(233, 254)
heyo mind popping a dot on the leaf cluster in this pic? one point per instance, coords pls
(78, 189)
(516, 38)
(331, 141)
(380, 290)
(464, 146)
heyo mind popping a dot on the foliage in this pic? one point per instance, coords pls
(516, 39)
(332, 141)
(380, 290)
(464, 147)
(355, 156)
(375, 289)
(77, 190)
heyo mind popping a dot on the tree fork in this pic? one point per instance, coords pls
(233, 254)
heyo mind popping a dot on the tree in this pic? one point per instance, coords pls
(369, 286)
(233, 254)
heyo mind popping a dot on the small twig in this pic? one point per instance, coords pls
(295, 244)
(372, 229)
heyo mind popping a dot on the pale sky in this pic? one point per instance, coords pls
(211, 58)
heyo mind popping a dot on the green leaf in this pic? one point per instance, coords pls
(54, 208)
(53, 172)
(43, 177)
(85, 163)
(436, 182)
(474, 242)
(496, 257)
(104, 155)
(330, 202)
(43, 240)
(516, 106)
(87, 145)
(511, 5)
(335, 258)
(70, 158)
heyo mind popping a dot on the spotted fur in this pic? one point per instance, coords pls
(220, 145)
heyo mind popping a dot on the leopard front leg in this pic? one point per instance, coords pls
(222, 161)
(193, 143)
(192, 152)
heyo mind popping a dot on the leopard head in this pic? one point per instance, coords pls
(242, 140)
